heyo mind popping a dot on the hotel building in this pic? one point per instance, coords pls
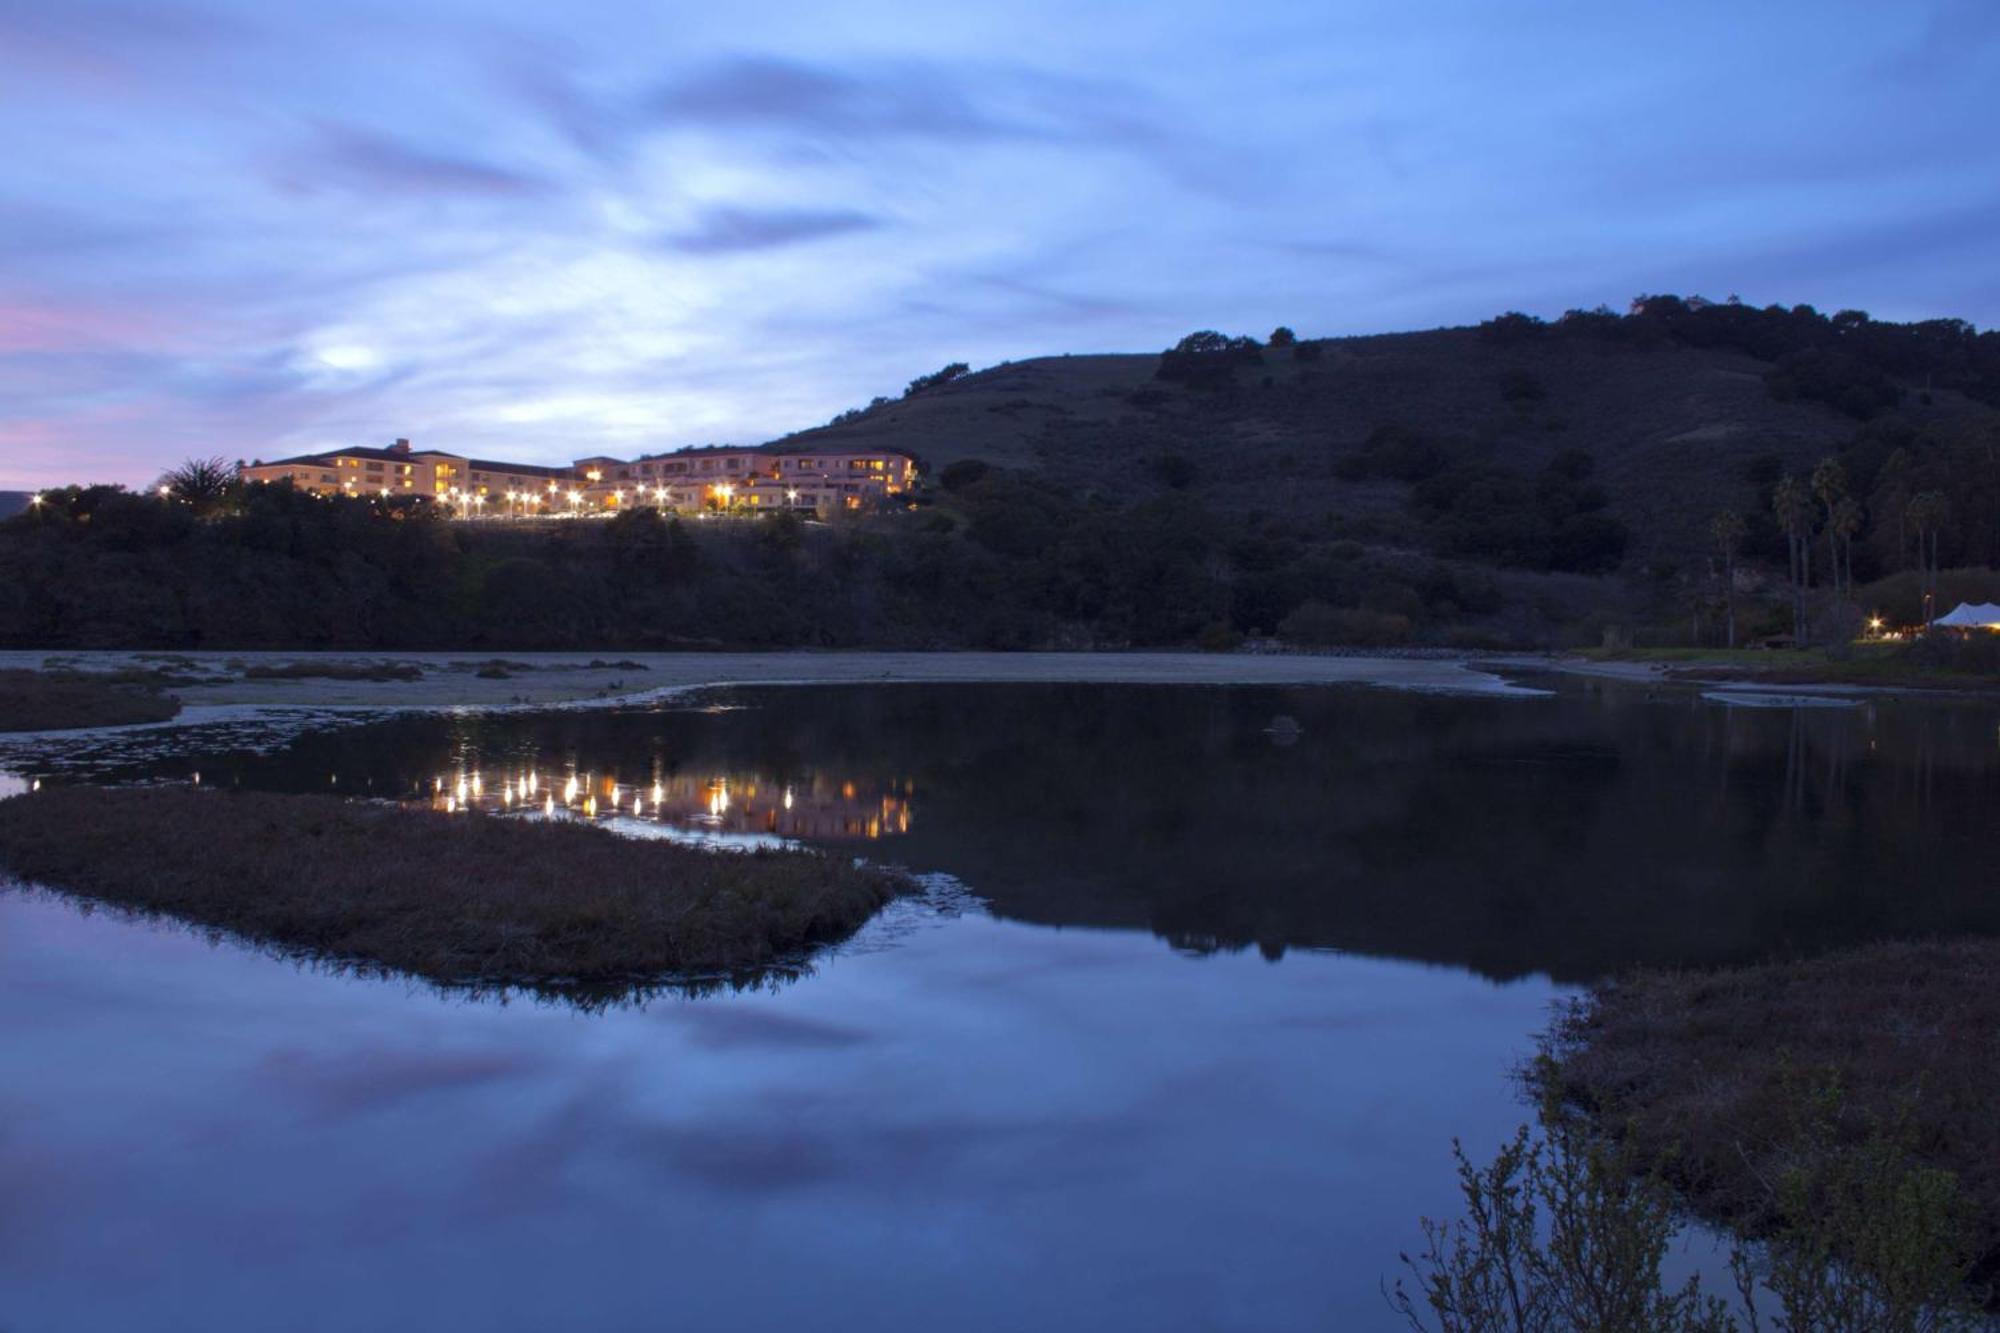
(818, 481)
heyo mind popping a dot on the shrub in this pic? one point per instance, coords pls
(1218, 636)
(937, 377)
(1207, 360)
(1317, 623)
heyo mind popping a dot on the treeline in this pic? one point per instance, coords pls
(1000, 561)
(1846, 360)
(1551, 520)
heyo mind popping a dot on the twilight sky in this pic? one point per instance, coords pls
(542, 231)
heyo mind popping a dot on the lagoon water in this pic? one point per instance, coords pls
(1179, 1039)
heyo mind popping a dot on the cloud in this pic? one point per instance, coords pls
(727, 230)
(906, 100)
(364, 160)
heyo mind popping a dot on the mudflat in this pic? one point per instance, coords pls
(448, 679)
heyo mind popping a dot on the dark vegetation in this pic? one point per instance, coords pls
(1836, 1114)
(997, 560)
(55, 701)
(1699, 1074)
(1568, 1231)
(1594, 479)
(457, 899)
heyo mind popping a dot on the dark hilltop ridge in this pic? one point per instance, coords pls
(1684, 405)
(1522, 483)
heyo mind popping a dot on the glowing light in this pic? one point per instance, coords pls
(165, 491)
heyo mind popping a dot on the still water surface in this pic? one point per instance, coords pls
(1186, 1050)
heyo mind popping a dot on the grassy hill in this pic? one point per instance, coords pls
(1675, 429)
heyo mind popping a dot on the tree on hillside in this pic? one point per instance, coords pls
(202, 483)
(1282, 337)
(1829, 484)
(1928, 511)
(937, 377)
(1890, 499)
(1792, 503)
(1847, 521)
(1727, 529)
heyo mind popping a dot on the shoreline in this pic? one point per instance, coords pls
(536, 680)
(209, 683)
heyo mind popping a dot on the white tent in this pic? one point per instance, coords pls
(1971, 615)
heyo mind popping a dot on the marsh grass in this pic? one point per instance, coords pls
(1705, 1074)
(460, 900)
(61, 700)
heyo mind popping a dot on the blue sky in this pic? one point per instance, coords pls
(547, 231)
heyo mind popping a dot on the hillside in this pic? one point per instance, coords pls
(1517, 484)
(1674, 428)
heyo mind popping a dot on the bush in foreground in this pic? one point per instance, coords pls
(458, 899)
(1700, 1072)
(55, 701)
(1837, 1113)
(1564, 1233)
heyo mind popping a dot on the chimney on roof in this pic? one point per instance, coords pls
(400, 447)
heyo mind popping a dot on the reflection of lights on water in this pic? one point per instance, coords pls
(726, 804)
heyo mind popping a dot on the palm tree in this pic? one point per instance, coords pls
(1846, 522)
(1829, 483)
(1928, 511)
(1793, 505)
(201, 482)
(1726, 530)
